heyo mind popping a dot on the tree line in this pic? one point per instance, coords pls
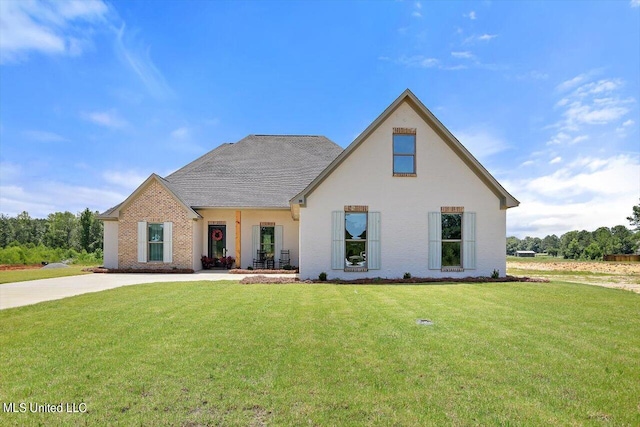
(61, 234)
(584, 244)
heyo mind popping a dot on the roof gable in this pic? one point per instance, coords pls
(114, 212)
(506, 199)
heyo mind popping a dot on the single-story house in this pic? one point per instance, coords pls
(404, 196)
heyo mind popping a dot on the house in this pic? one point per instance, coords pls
(405, 196)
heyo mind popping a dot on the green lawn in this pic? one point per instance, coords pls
(10, 276)
(205, 353)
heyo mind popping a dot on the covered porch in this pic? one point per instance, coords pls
(245, 238)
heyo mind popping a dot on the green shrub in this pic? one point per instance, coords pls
(407, 275)
(322, 277)
(495, 274)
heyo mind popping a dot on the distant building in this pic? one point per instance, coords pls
(530, 254)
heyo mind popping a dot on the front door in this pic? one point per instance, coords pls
(217, 241)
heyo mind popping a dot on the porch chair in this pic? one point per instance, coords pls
(285, 258)
(259, 260)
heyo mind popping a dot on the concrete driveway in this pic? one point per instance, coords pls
(35, 291)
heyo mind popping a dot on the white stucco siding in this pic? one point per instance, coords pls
(110, 244)
(366, 178)
(249, 218)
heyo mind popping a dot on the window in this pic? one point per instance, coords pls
(267, 240)
(355, 239)
(156, 241)
(404, 152)
(451, 240)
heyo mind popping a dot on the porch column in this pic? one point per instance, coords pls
(238, 239)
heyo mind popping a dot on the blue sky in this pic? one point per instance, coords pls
(97, 95)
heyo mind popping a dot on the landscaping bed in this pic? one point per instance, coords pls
(384, 281)
(261, 271)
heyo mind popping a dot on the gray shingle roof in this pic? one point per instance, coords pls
(261, 171)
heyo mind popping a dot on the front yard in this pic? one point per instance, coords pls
(204, 353)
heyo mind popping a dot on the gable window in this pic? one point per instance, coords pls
(451, 240)
(355, 239)
(156, 241)
(404, 151)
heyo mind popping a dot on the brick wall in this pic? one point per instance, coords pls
(155, 204)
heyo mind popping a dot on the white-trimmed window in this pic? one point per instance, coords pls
(155, 242)
(404, 152)
(452, 239)
(155, 236)
(356, 239)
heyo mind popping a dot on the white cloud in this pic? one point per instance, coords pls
(9, 171)
(471, 15)
(48, 27)
(110, 119)
(482, 143)
(180, 133)
(418, 61)
(533, 75)
(486, 37)
(562, 138)
(138, 58)
(416, 14)
(128, 180)
(634, 3)
(585, 194)
(555, 160)
(588, 103)
(43, 136)
(628, 122)
(41, 199)
(464, 55)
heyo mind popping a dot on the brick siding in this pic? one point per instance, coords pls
(155, 204)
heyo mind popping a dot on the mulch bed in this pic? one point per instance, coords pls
(7, 267)
(382, 281)
(260, 271)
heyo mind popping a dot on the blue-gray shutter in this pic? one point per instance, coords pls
(337, 240)
(278, 241)
(373, 241)
(435, 241)
(142, 241)
(469, 240)
(167, 249)
(255, 238)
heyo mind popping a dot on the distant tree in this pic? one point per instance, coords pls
(551, 245)
(624, 241)
(634, 219)
(23, 229)
(512, 245)
(7, 232)
(62, 230)
(593, 251)
(85, 222)
(89, 231)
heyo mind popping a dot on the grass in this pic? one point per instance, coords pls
(212, 353)
(10, 276)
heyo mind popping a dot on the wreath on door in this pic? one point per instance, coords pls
(217, 235)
